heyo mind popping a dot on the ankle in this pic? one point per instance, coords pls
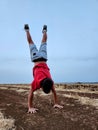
(44, 29)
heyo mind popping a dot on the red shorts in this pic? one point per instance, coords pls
(40, 72)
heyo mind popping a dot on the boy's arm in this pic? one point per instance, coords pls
(31, 109)
(56, 105)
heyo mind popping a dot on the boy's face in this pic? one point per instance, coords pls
(45, 91)
(46, 85)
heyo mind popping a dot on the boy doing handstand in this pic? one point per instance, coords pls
(41, 73)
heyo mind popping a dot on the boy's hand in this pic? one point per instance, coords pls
(32, 110)
(58, 106)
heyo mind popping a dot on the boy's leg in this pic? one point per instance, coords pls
(32, 46)
(43, 47)
(44, 31)
(44, 38)
(30, 41)
(29, 38)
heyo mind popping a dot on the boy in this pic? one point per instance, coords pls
(42, 76)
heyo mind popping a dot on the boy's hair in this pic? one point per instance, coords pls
(46, 85)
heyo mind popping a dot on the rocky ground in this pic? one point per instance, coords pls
(80, 110)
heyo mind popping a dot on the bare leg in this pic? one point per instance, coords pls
(44, 38)
(29, 38)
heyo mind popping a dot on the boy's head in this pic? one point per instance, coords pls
(46, 85)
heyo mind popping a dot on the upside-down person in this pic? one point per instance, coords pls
(41, 73)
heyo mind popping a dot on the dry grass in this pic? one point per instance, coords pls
(6, 124)
(83, 100)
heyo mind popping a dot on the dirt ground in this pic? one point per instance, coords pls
(80, 110)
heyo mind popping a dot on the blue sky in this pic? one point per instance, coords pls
(72, 39)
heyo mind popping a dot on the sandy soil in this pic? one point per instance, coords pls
(80, 110)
